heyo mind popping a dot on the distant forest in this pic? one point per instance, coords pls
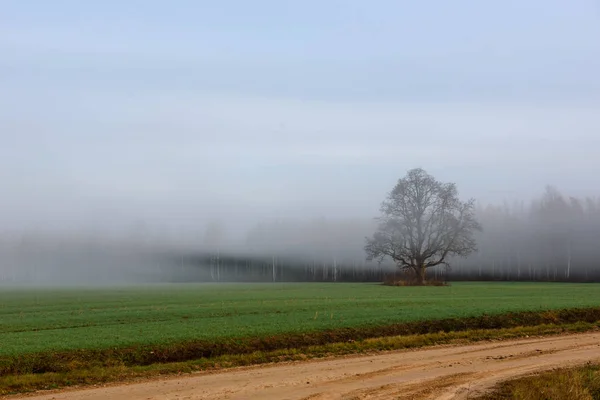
(553, 238)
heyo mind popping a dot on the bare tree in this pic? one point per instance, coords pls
(422, 223)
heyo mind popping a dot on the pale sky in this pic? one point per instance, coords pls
(175, 112)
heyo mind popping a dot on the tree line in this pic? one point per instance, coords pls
(554, 237)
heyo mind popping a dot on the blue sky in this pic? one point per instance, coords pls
(186, 110)
(392, 50)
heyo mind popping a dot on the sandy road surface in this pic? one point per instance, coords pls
(454, 372)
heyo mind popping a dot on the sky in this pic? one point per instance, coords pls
(115, 113)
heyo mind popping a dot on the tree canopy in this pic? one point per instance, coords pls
(423, 223)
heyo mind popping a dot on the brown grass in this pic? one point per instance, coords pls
(563, 384)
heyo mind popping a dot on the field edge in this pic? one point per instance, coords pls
(49, 370)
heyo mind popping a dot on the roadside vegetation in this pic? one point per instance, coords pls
(581, 383)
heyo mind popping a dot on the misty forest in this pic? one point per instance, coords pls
(554, 237)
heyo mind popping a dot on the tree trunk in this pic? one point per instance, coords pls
(421, 275)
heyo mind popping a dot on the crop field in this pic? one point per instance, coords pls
(39, 320)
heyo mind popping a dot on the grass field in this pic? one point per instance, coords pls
(50, 338)
(39, 320)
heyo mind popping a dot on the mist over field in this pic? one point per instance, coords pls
(191, 143)
(554, 237)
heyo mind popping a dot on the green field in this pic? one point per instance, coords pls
(35, 320)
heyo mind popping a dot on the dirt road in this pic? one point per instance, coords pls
(456, 372)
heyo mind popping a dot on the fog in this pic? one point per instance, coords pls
(554, 237)
(137, 138)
